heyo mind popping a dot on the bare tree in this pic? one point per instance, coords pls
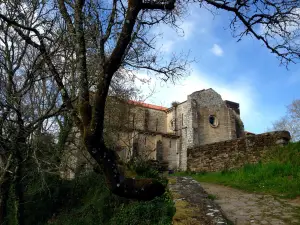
(275, 23)
(28, 98)
(291, 121)
(121, 41)
(117, 36)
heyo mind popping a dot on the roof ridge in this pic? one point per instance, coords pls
(147, 105)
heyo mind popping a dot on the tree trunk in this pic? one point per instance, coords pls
(4, 193)
(16, 187)
(140, 189)
(12, 190)
(18, 193)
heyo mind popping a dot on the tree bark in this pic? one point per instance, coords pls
(17, 186)
(141, 189)
(4, 192)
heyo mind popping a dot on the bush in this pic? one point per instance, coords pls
(92, 203)
(147, 169)
(158, 211)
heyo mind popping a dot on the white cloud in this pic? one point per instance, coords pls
(239, 90)
(170, 38)
(217, 50)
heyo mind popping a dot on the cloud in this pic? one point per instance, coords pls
(239, 90)
(188, 28)
(170, 38)
(217, 50)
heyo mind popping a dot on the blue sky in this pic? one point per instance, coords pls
(245, 71)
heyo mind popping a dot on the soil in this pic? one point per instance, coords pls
(243, 208)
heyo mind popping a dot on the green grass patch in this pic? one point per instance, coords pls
(278, 173)
(212, 197)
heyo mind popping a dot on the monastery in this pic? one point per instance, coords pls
(165, 134)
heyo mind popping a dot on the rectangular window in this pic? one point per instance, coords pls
(145, 141)
(156, 124)
(170, 144)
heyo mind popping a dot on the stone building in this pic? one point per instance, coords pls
(165, 134)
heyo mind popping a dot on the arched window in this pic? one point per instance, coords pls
(213, 120)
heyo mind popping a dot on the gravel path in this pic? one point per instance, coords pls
(244, 208)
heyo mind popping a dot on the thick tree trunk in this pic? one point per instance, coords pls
(12, 188)
(140, 189)
(16, 186)
(18, 194)
(4, 193)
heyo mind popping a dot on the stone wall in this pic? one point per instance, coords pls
(148, 119)
(207, 103)
(225, 130)
(233, 153)
(182, 112)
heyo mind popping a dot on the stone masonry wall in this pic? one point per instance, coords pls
(225, 129)
(233, 153)
(156, 120)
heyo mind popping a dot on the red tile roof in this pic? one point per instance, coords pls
(146, 105)
(248, 133)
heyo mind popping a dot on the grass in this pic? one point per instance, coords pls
(87, 200)
(278, 173)
(212, 197)
(96, 205)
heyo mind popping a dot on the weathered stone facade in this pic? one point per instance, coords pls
(203, 133)
(234, 153)
(166, 133)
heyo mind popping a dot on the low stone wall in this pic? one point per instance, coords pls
(234, 153)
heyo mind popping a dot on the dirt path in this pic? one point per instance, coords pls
(193, 205)
(244, 208)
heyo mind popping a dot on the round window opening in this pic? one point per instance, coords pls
(213, 120)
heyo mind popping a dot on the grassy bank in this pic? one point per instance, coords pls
(278, 173)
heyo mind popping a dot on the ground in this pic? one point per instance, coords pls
(244, 208)
(205, 204)
(193, 205)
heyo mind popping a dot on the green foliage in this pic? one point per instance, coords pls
(86, 200)
(90, 202)
(277, 173)
(147, 169)
(212, 197)
(44, 200)
(159, 211)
